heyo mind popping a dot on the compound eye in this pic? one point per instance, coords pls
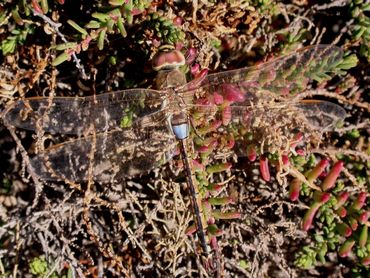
(168, 60)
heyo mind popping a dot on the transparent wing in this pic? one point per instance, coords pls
(283, 76)
(132, 135)
(272, 125)
(310, 115)
(322, 115)
(111, 156)
(252, 105)
(68, 115)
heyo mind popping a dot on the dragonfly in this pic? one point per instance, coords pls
(137, 130)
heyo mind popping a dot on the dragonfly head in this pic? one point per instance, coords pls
(167, 64)
(168, 60)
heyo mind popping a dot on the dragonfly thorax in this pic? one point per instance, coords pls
(177, 119)
(170, 79)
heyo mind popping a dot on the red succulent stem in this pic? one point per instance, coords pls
(251, 152)
(309, 216)
(353, 223)
(264, 168)
(311, 212)
(331, 178)
(344, 229)
(341, 212)
(363, 236)
(213, 230)
(346, 248)
(341, 199)
(317, 171)
(285, 160)
(298, 138)
(294, 188)
(191, 230)
(366, 261)
(321, 197)
(36, 7)
(363, 217)
(359, 202)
